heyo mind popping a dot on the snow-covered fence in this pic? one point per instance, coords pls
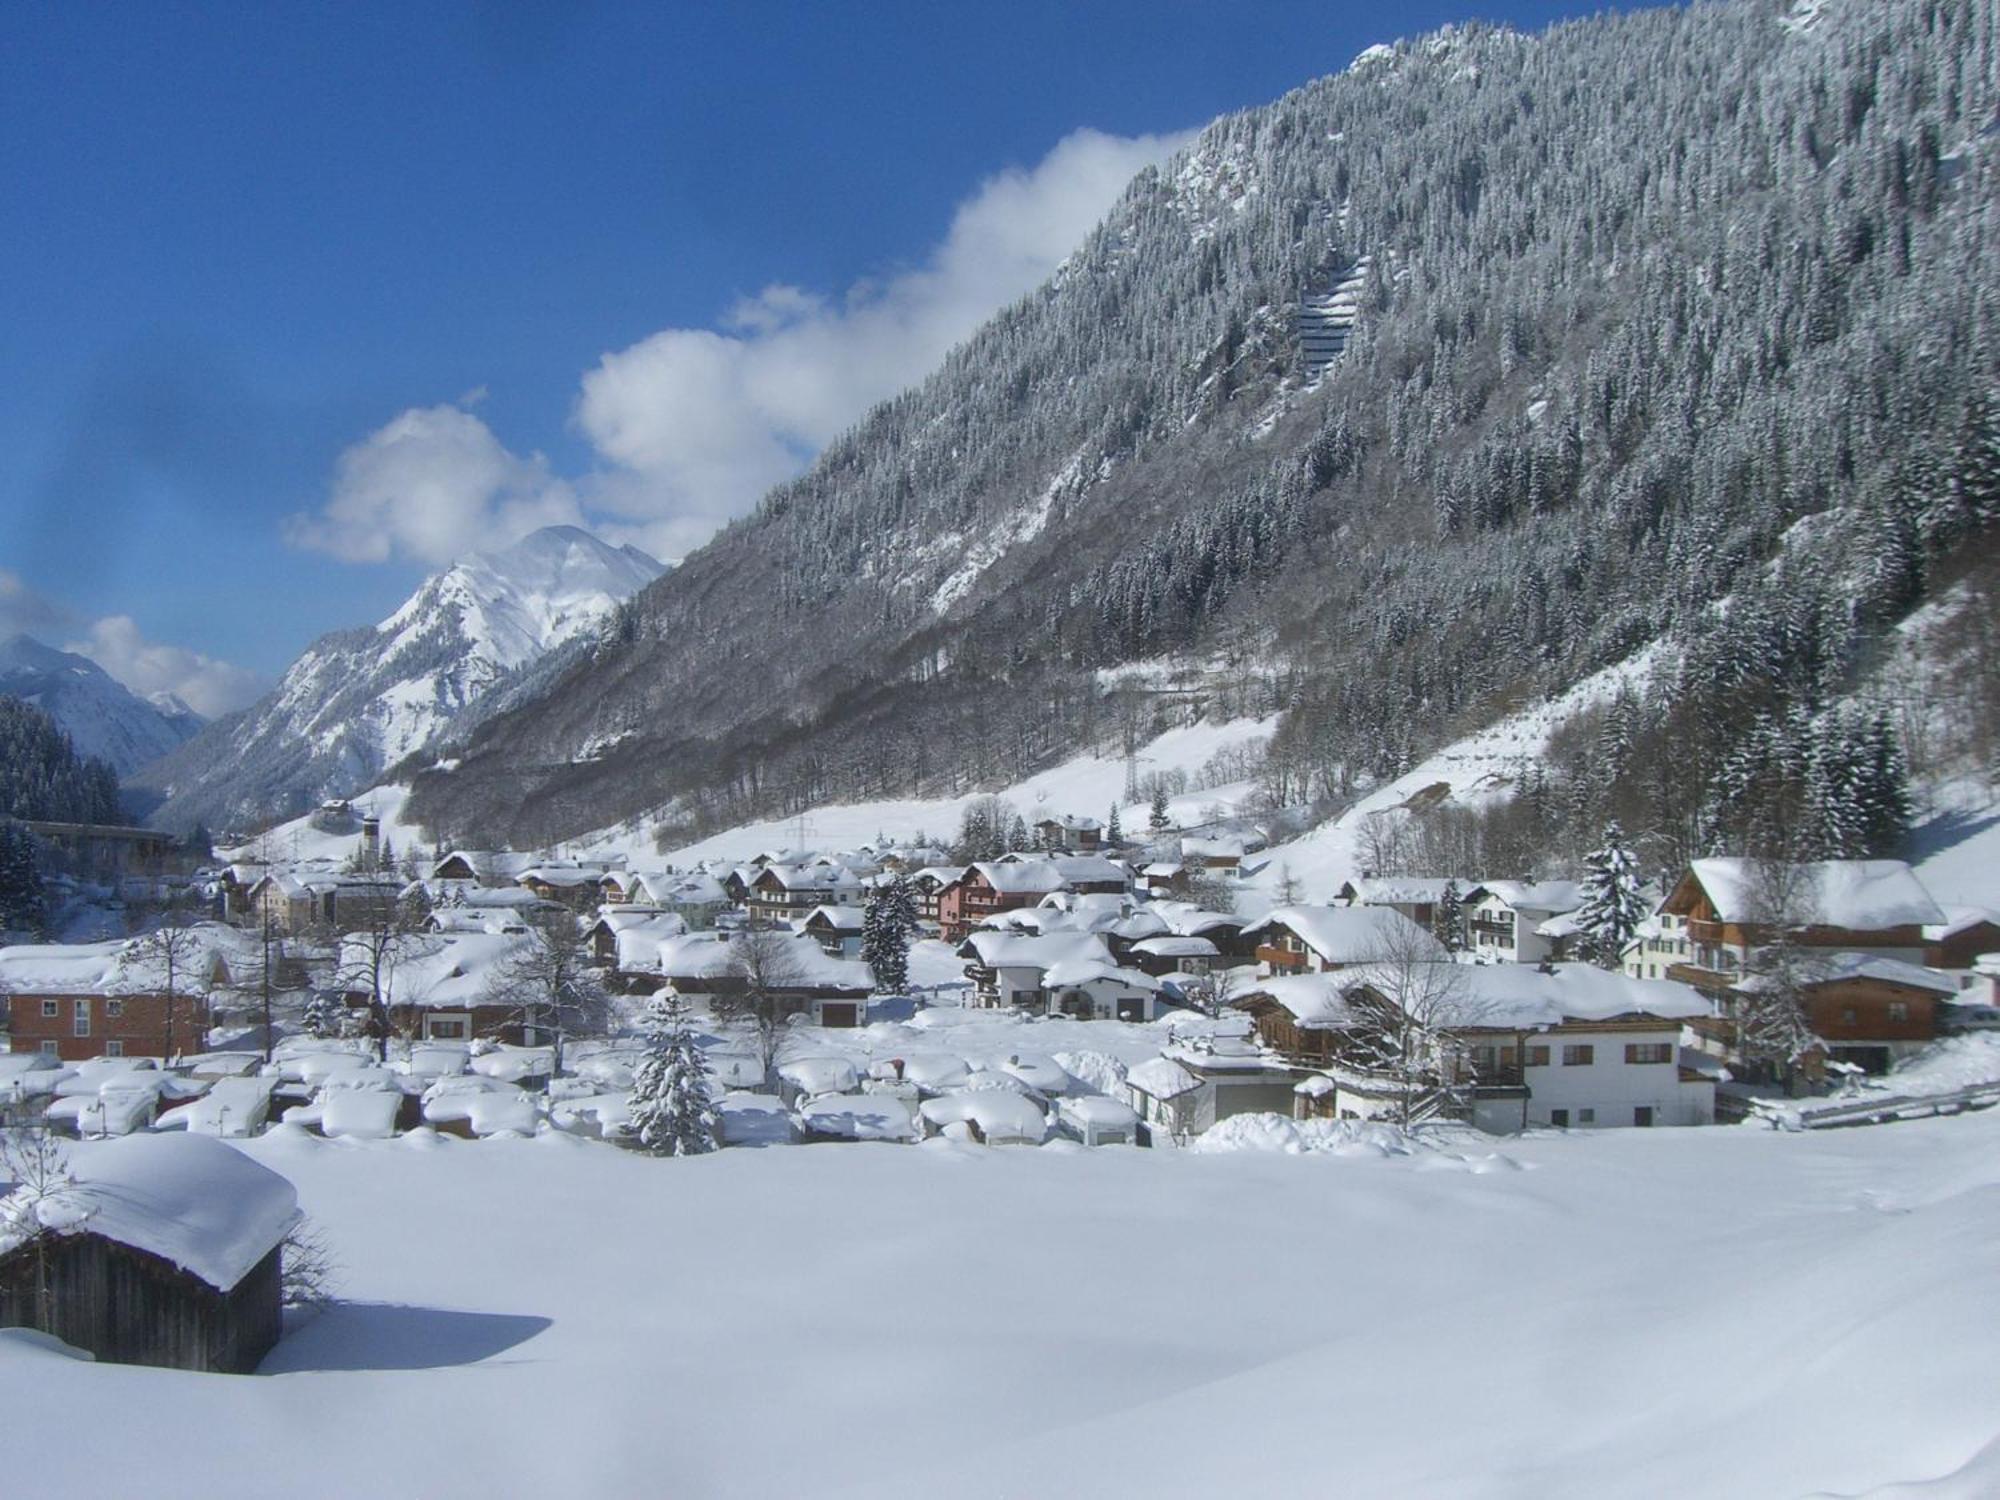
(1878, 1109)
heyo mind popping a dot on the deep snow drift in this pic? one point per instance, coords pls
(1721, 1312)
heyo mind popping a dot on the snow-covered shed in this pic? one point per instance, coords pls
(159, 1250)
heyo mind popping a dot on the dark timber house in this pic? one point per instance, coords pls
(160, 1250)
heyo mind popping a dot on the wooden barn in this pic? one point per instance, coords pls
(160, 1250)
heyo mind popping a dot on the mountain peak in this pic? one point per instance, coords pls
(102, 717)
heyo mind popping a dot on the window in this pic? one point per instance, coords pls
(1849, 1015)
(1586, 1117)
(114, 1048)
(82, 1023)
(51, 1009)
(1559, 1118)
(1579, 1055)
(1640, 1053)
(447, 1031)
(49, 1047)
(1538, 1057)
(1899, 1010)
(1643, 1115)
(114, 1008)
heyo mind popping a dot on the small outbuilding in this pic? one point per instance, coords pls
(157, 1250)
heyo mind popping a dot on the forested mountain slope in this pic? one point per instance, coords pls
(1653, 310)
(103, 718)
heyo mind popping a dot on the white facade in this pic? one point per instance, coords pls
(1579, 1078)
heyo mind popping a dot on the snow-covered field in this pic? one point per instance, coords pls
(1715, 1312)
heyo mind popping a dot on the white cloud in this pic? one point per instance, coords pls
(692, 425)
(433, 484)
(207, 686)
(697, 424)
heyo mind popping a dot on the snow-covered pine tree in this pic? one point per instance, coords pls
(886, 931)
(324, 1014)
(1156, 820)
(673, 1110)
(1114, 835)
(1448, 918)
(1613, 905)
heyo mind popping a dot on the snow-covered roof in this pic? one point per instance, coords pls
(1012, 950)
(1959, 919)
(1861, 895)
(447, 971)
(189, 1199)
(939, 875)
(1027, 877)
(1176, 947)
(819, 1075)
(1000, 1116)
(1540, 895)
(128, 966)
(1090, 869)
(1082, 973)
(1409, 890)
(840, 918)
(1315, 1000)
(1162, 1078)
(1525, 996)
(1098, 1112)
(1213, 848)
(860, 1117)
(638, 936)
(1836, 967)
(1351, 934)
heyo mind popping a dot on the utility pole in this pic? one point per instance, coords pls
(267, 982)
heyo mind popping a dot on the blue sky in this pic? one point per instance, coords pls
(299, 300)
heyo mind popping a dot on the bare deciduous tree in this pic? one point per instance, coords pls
(552, 985)
(765, 963)
(1412, 1010)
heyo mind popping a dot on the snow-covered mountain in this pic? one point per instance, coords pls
(101, 716)
(359, 701)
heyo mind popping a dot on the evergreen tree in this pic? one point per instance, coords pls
(886, 933)
(1613, 905)
(673, 1109)
(325, 1014)
(22, 906)
(1114, 835)
(1156, 820)
(1448, 918)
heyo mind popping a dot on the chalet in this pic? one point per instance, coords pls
(1870, 1012)
(444, 990)
(1319, 939)
(1167, 954)
(1504, 919)
(779, 894)
(486, 867)
(1569, 1045)
(837, 929)
(1233, 943)
(1073, 835)
(834, 991)
(1221, 856)
(1417, 898)
(627, 940)
(1729, 908)
(1165, 879)
(1007, 969)
(1957, 943)
(695, 898)
(991, 887)
(163, 1250)
(578, 887)
(1092, 874)
(74, 1001)
(1167, 1098)
(1091, 989)
(928, 885)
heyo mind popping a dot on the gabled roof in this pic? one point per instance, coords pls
(1011, 950)
(1029, 877)
(1412, 890)
(191, 1200)
(1959, 919)
(1162, 1078)
(1860, 895)
(1351, 934)
(1541, 895)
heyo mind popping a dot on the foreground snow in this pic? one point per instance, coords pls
(1627, 1313)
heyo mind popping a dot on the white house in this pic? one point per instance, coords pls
(1504, 921)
